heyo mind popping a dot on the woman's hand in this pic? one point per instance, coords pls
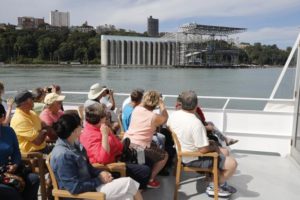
(105, 177)
(12, 168)
(104, 129)
(161, 102)
(10, 101)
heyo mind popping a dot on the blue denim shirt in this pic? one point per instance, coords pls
(72, 169)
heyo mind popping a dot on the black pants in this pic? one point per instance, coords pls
(30, 192)
(140, 173)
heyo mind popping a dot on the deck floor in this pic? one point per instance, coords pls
(258, 177)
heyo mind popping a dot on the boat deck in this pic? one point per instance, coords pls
(258, 177)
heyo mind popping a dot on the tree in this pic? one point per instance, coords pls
(26, 46)
(46, 48)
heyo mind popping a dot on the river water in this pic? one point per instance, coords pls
(251, 82)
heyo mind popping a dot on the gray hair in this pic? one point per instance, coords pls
(189, 100)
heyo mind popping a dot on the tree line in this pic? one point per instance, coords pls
(51, 47)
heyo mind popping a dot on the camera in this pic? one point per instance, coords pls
(108, 91)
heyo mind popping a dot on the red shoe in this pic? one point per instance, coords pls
(153, 184)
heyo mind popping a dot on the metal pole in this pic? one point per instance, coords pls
(285, 67)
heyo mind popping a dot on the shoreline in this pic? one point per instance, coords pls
(242, 66)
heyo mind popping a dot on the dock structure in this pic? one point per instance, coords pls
(140, 51)
(205, 45)
(192, 45)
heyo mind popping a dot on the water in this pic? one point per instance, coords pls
(252, 82)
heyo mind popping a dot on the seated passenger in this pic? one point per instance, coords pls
(213, 132)
(52, 112)
(30, 131)
(128, 99)
(105, 96)
(10, 160)
(95, 94)
(7, 104)
(192, 136)
(104, 147)
(73, 171)
(55, 89)
(136, 98)
(142, 128)
(39, 96)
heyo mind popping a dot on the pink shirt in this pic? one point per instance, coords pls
(141, 128)
(49, 118)
(91, 139)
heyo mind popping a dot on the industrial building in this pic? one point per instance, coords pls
(193, 45)
(127, 50)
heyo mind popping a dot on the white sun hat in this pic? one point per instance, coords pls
(95, 91)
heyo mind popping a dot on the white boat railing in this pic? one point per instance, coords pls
(257, 130)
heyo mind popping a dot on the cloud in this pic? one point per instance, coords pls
(132, 14)
(166, 10)
(282, 37)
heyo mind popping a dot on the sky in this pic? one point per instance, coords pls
(267, 21)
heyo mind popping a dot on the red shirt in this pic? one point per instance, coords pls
(200, 115)
(91, 139)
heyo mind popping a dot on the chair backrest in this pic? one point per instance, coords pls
(81, 111)
(52, 176)
(120, 122)
(177, 145)
(37, 163)
(122, 132)
(176, 141)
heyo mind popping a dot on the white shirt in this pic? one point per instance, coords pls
(190, 132)
(104, 100)
(125, 102)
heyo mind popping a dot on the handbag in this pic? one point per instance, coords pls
(12, 180)
(129, 155)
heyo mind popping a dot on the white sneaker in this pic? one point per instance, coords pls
(228, 188)
(221, 192)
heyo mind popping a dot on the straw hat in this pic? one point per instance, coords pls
(52, 97)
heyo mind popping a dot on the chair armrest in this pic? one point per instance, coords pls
(198, 154)
(113, 167)
(35, 160)
(85, 195)
(32, 155)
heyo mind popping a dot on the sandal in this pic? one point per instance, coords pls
(231, 142)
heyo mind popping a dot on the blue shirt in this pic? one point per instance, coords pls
(9, 146)
(126, 116)
(72, 170)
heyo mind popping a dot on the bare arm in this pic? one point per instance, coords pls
(212, 147)
(163, 116)
(104, 131)
(10, 102)
(40, 138)
(112, 99)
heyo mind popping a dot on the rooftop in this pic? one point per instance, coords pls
(193, 28)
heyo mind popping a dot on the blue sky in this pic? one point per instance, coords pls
(267, 21)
